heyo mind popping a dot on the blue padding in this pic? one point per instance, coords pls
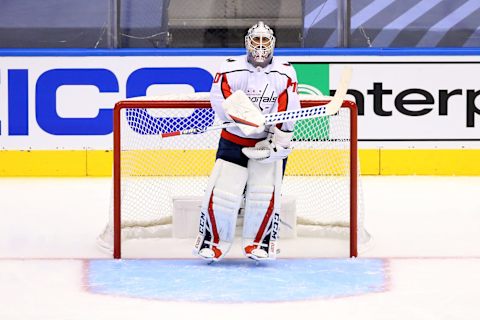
(237, 281)
(240, 51)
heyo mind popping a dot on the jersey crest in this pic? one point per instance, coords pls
(264, 98)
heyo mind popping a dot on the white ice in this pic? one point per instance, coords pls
(427, 230)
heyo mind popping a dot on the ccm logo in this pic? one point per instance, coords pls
(276, 220)
(203, 221)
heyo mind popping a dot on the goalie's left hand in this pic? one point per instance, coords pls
(275, 147)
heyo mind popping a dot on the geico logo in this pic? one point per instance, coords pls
(407, 102)
(104, 80)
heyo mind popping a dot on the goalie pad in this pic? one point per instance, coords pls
(244, 113)
(219, 210)
(262, 210)
(275, 147)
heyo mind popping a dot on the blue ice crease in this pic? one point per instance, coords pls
(237, 281)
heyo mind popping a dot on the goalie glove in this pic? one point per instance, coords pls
(275, 147)
(239, 109)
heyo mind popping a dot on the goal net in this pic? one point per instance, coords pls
(151, 173)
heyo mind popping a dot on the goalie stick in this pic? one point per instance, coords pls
(328, 109)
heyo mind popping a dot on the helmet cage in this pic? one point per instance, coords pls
(260, 42)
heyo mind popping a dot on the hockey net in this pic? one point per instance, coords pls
(149, 171)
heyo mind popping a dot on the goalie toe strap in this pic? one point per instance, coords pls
(260, 244)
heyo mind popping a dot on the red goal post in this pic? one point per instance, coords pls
(172, 103)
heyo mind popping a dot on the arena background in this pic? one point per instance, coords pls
(65, 63)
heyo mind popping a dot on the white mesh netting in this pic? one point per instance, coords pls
(156, 170)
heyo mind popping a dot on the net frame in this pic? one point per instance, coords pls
(202, 101)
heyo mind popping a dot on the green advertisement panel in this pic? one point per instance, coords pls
(313, 78)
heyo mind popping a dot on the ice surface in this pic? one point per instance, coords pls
(423, 263)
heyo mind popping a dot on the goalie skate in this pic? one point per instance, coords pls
(205, 246)
(265, 248)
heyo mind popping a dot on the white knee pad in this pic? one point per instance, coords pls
(219, 211)
(262, 208)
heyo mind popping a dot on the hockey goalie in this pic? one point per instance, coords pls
(251, 157)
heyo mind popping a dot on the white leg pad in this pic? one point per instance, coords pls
(219, 211)
(258, 199)
(262, 209)
(225, 208)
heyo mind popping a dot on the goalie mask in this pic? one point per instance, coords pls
(259, 43)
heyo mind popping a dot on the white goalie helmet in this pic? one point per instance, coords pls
(259, 43)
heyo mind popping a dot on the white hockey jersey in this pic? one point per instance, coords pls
(271, 89)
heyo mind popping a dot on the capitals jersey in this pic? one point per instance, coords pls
(271, 89)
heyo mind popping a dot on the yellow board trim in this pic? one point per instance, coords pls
(99, 163)
(169, 162)
(94, 163)
(201, 162)
(462, 162)
(369, 161)
(43, 163)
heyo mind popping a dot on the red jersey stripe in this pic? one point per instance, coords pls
(226, 90)
(282, 104)
(246, 142)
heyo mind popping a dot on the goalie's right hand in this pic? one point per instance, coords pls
(269, 154)
(275, 147)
